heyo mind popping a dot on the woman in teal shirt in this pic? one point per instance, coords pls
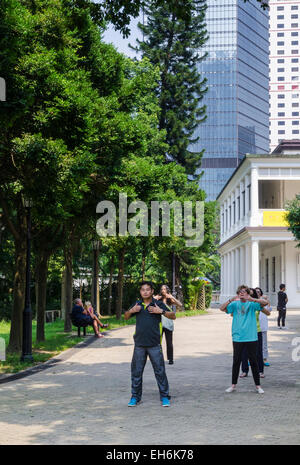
(243, 308)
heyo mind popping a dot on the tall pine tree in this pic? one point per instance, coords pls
(174, 44)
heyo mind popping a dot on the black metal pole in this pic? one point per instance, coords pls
(27, 314)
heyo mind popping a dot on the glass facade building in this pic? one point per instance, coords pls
(237, 72)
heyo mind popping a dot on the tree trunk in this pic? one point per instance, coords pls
(68, 252)
(41, 282)
(111, 272)
(63, 293)
(15, 338)
(120, 284)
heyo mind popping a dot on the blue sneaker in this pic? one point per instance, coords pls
(165, 402)
(133, 402)
(266, 364)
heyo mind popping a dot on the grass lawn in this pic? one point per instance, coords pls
(57, 340)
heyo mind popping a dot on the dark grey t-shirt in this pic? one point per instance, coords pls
(148, 325)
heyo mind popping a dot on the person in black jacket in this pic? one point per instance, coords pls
(147, 341)
(80, 318)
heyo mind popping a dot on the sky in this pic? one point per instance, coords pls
(116, 38)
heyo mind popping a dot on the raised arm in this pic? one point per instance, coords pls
(162, 311)
(224, 306)
(135, 309)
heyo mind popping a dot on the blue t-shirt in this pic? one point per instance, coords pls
(244, 325)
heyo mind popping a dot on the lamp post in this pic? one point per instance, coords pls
(27, 313)
(96, 246)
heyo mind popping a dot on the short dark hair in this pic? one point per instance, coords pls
(149, 283)
(282, 286)
(243, 287)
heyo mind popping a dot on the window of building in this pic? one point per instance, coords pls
(280, 26)
(295, 52)
(295, 131)
(249, 197)
(295, 42)
(295, 87)
(281, 113)
(295, 78)
(295, 70)
(280, 60)
(280, 52)
(280, 96)
(295, 95)
(281, 131)
(234, 212)
(281, 123)
(267, 275)
(244, 202)
(280, 16)
(222, 223)
(239, 207)
(295, 123)
(294, 34)
(294, 25)
(280, 70)
(226, 219)
(295, 60)
(230, 216)
(280, 34)
(281, 78)
(281, 43)
(295, 104)
(295, 113)
(273, 274)
(280, 105)
(280, 8)
(294, 7)
(294, 16)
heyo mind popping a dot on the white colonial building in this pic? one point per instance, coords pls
(256, 247)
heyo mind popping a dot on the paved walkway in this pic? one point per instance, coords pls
(84, 399)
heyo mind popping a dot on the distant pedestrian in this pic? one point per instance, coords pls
(281, 306)
(168, 299)
(80, 317)
(147, 341)
(264, 325)
(244, 332)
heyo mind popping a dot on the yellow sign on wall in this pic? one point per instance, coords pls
(274, 218)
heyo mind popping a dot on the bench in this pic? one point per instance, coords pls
(78, 327)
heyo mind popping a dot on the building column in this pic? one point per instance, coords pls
(242, 264)
(254, 264)
(237, 268)
(254, 197)
(247, 276)
(283, 262)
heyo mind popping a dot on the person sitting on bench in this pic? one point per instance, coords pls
(81, 319)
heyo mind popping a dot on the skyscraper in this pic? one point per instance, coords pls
(237, 72)
(284, 71)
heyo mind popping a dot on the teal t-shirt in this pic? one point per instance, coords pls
(244, 324)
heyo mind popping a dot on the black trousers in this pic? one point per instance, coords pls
(281, 316)
(260, 358)
(169, 343)
(238, 348)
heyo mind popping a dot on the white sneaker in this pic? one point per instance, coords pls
(260, 390)
(230, 389)
(283, 327)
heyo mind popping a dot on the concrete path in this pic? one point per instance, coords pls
(83, 400)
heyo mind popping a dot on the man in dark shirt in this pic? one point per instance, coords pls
(147, 341)
(281, 306)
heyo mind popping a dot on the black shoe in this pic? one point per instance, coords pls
(171, 362)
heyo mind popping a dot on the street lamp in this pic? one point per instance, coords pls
(96, 246)
(27, 313)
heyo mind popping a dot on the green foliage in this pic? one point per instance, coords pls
(293, 217)
(172, 43)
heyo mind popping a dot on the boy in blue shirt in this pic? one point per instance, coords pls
(243, 308)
